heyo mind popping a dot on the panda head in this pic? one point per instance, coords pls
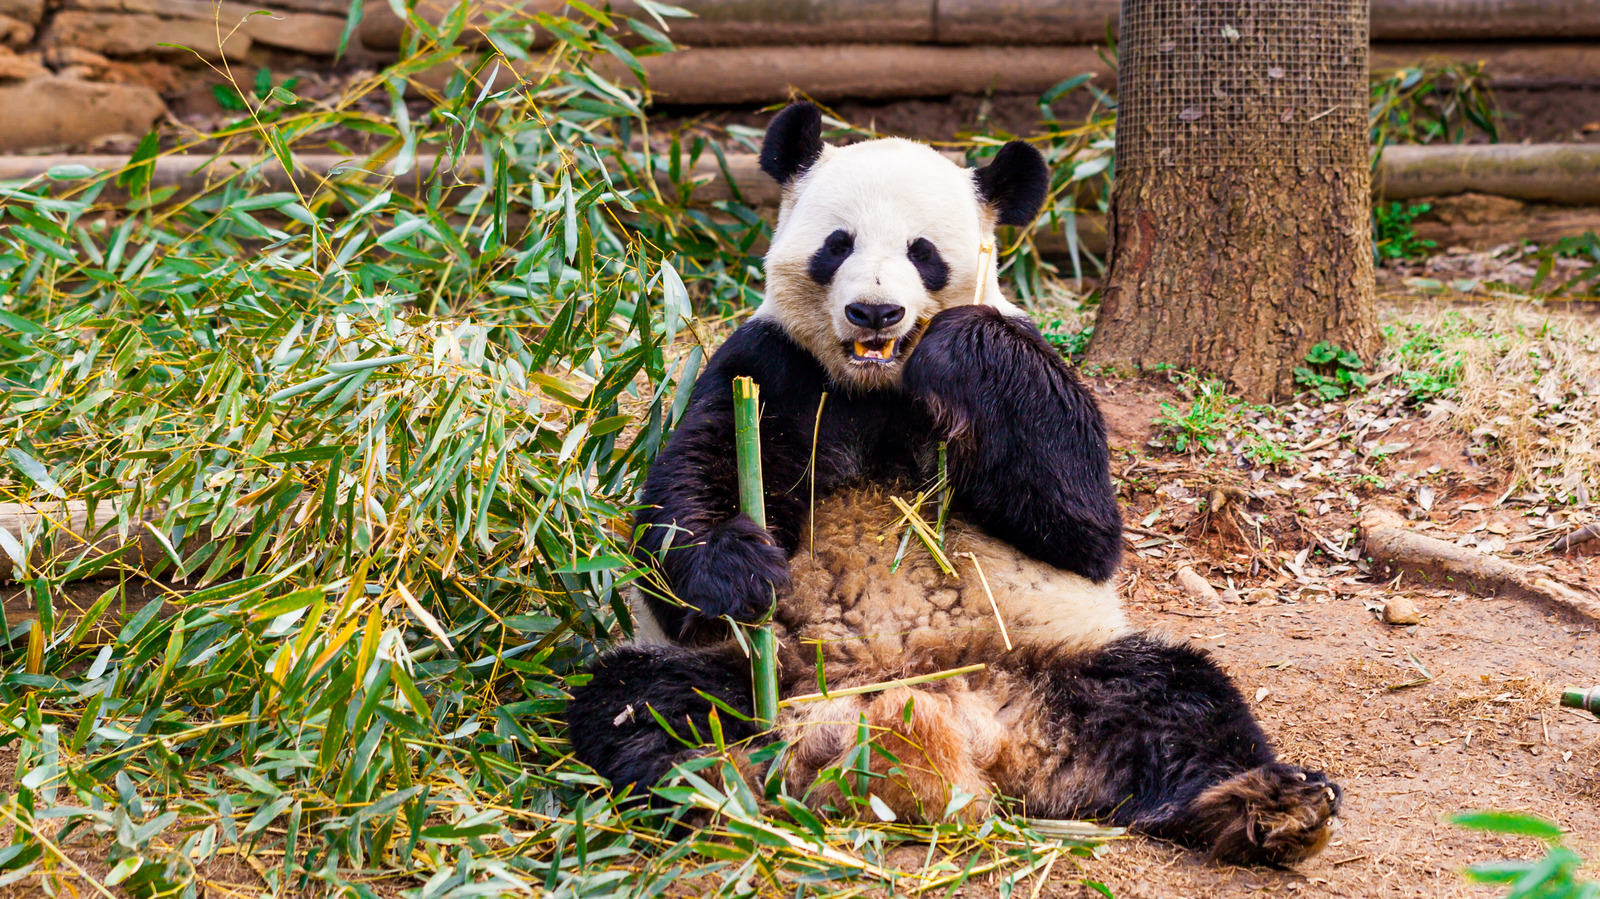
(873, 239)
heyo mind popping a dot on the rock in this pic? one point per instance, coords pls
(138, 34)
(302, 32)
(1197, 586)
(76, 62)
(1262, 595)
(14, 32)
(55, 111)
(26, 67)
(29, 11)
(61, 57)
(1400, 610)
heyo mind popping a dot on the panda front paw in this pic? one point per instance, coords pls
(736, 572)
(970, 359)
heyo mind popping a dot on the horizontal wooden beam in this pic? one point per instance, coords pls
(1557, 174)
(743, 23)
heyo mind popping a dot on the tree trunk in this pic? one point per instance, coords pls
(1237, 273)
(1240, 232)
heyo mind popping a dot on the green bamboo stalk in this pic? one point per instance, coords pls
(753, 503)
(1579, 698)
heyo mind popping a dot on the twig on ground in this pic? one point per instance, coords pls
(1581, 535)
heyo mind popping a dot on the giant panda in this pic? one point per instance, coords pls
(870, 353)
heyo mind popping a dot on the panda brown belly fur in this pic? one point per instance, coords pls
(989, 733)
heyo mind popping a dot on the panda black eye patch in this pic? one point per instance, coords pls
(832, 254)
(930, 265)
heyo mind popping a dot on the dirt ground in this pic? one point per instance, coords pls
(1341, 691)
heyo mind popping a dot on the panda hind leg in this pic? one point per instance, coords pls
(928, 746)
(609, 722)
(1166, 744)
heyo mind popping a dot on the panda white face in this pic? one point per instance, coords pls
(874, 239)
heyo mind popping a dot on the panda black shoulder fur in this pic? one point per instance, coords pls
(870, 280)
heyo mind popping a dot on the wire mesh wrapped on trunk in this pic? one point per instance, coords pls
(1242, 83)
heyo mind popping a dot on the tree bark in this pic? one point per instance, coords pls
(1240, 231)
(1237, 272)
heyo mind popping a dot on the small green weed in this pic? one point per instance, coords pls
(1334, 373)
(1427, 368)
(1584, 247)
(1211, 413)
(1393, 234)
(1269, 453)
(1553, 877)
(1067, 342)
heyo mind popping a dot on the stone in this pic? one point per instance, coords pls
(138, 34)
(25, 67)
(1400, 610)
(47, 112)
(1197, 586)
(29, 11)
(62, 57)
(14, 32)
(301, 32)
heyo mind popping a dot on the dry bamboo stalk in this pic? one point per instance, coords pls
(985, 254)
(925, 534)
(883, 685)
(992, 604)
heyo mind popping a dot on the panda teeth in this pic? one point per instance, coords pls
(883, 352)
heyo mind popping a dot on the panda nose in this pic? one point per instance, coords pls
(876, 316)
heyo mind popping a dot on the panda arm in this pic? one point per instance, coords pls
(1028, 454)
(717, 560)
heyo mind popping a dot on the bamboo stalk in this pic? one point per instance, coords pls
(1584, 700)
(752, 502)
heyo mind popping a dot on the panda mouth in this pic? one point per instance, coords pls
(878, 351)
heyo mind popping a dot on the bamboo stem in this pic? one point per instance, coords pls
(752, 502)
(985, 254)
(926, 535)
(884, 685)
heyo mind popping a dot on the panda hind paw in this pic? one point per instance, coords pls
(1275, 815)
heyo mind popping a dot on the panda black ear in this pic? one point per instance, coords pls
(793, 141)
(1015, 183)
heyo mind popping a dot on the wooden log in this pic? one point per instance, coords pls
(746, 23)
(1508, 65)
(1436, 20)
(1556, 174)
(1397, 551)
(712, 76)
(67, 531)
(1566, 174)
